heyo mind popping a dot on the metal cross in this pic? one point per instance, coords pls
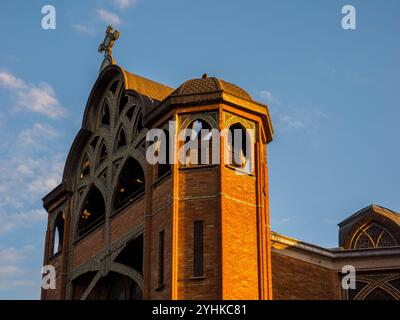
(106, 47)
(108, 42)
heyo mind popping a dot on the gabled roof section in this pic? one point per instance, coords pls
(147, 87)
(372, 207)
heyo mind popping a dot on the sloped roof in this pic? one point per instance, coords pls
(146, 86)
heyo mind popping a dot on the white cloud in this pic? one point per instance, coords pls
(267, 96)
(13, 273)
(27, 178)
(36, 134)
(9, 81)
(36, 98)
(286, 117)
(84, 29)
(109, 17)
(291, 122)
(20, 220)
(125, 3)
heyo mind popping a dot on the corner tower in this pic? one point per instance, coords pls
(220, 243)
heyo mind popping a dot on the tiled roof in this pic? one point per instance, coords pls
(147, 87)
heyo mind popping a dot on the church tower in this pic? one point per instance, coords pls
(120, 227)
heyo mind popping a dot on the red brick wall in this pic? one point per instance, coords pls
(161, 220)
(128, 219)
(294, 279)
(239, 237)
(194, 184)
(88, 246)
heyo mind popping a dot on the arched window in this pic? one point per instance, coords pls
(164, 168)
(131, 183)
(92, 212)
(121, 138)
(114, 86)
(85, 168)
(58, 233)
(105, 115)
(238, 142)
(201, 132)
(373, 235)
(129, 113)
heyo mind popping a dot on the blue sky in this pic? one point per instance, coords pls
(333, 96)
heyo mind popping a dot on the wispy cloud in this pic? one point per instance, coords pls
(123, 4)
(286, 117)
(35, 98)
(14, 272)
(109, 17)
(36, 134)
(20, 220)
(84, 29)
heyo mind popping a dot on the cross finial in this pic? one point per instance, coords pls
(106, 46)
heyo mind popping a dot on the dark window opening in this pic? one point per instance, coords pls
(164, 168)
(114, 86)
(92, 213)
(58, 233)
(81, 283)
(201, 133)
(129, 113)
(131, 183)
(198, 249)
(105, 115)
(139, 123)
(132, 254)
(123, 101)
(161, 250)
(93, 143)
(116, 286)
(85, 167)
(237, 140)
(121, 139)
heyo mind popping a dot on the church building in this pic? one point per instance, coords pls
(120, 227)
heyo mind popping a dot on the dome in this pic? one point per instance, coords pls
(208, 85)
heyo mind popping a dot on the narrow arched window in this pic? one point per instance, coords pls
(130, 184)
(85, 168)
(129, 113)
(114, 86)
(92, 212)
(238, 141)
(105, 115)
(164, 168)
(123, 100)
(58, 233)
(121, 139)
(202, 136)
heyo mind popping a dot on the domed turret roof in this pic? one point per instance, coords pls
(208, 85)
